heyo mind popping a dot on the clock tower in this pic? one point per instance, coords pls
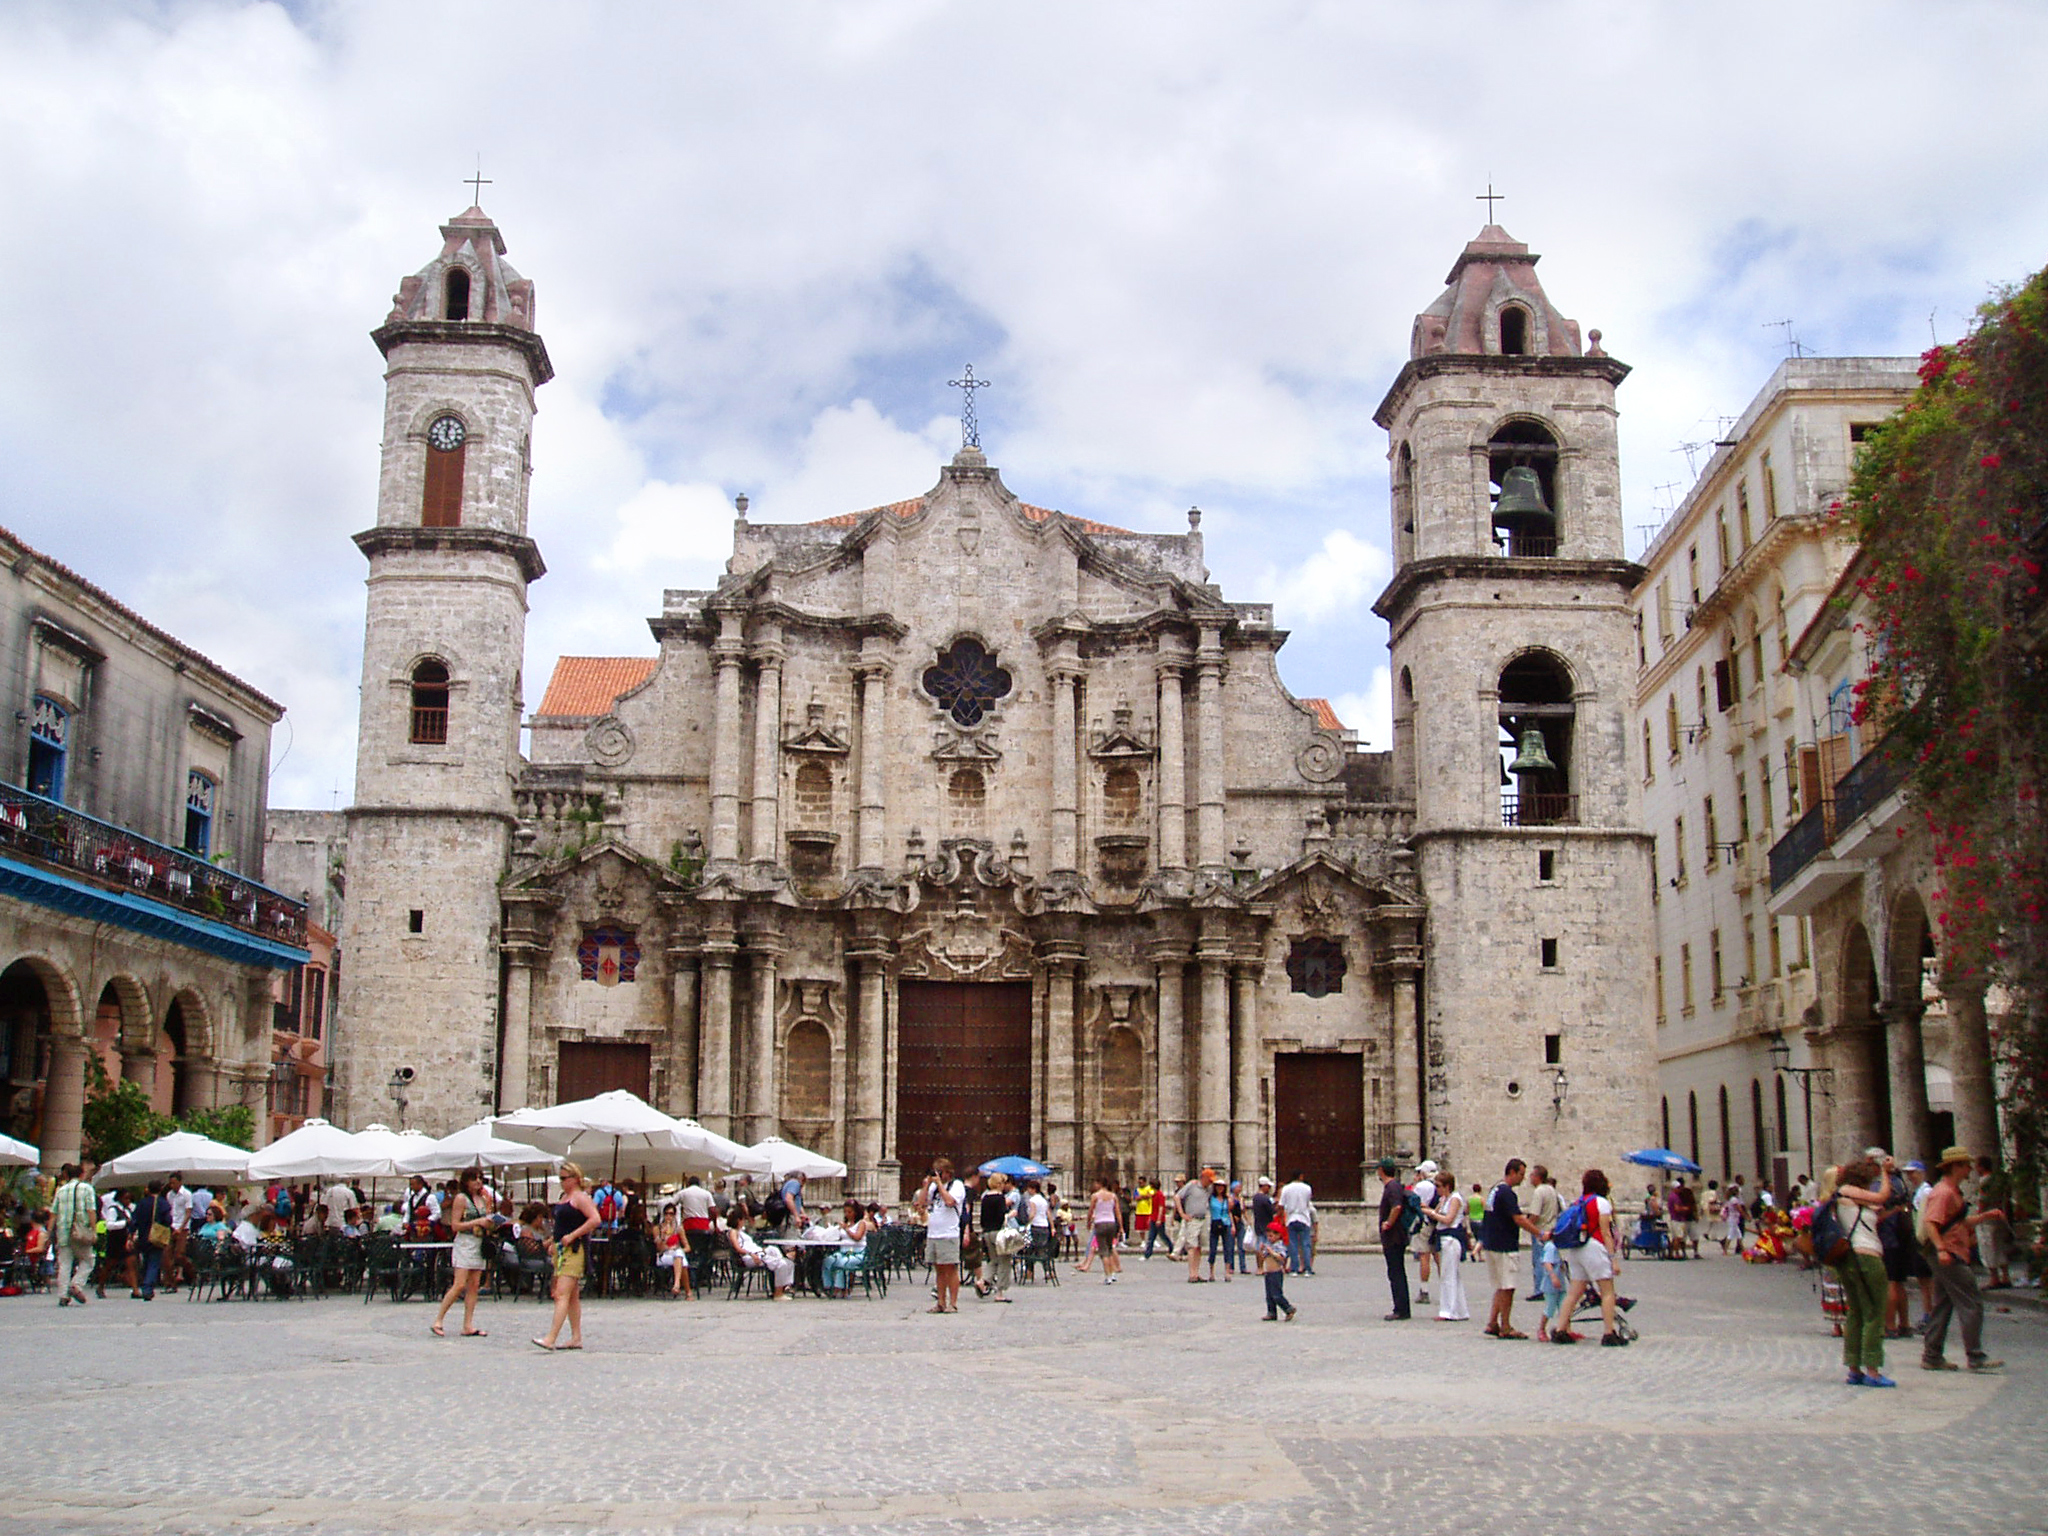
(450, 561)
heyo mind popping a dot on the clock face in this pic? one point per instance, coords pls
(447, 433)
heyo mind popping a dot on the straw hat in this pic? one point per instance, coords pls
(1956, 1155)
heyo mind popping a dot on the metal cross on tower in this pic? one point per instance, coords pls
(477, 183)
(1489, 197)
(970, 429)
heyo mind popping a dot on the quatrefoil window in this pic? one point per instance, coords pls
(966, 681)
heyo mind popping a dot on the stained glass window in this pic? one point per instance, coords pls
(966, 682)
(608, 955)
(1316, 966)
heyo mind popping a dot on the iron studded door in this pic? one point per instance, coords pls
(963, 1074)
(1319, 1115)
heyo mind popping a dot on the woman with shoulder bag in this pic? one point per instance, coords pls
(470, 1218)
(1449, 1216)
(1862, 1185)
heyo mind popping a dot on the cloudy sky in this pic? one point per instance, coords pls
(1185, 239)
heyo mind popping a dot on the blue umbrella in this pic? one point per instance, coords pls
(1662, 1157)
(1016, 1167)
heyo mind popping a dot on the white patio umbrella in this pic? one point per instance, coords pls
(729, 1155)
(18, 1154)
(621, 1127)
(186, 1152)
(474, 1146)
(786, 1157)
(386, 1147)
(316, 1150)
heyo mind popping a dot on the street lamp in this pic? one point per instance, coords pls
(1781, 1061)
(400, 1081)
(1559, 1086)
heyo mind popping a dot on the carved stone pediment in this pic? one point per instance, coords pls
(964, 949)
(1122, 739)
(816, 739)
(977, 747)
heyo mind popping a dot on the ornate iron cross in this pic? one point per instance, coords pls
(970, 429)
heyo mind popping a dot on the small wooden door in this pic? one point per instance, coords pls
(589, 1067)
(1319, 1120)
(963, 1073)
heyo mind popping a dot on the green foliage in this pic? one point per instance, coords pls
(1950, 501)
(232, 1125)
(117, 1117)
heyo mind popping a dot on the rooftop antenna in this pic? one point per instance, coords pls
(1794, 347)
(1930, 328)
(1691, 452)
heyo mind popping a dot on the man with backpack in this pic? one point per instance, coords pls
(1399, 1213)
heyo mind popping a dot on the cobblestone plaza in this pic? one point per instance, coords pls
(1150, 1406)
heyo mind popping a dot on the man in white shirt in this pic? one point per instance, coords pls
(943, 1199)
(339, 1200)
(1424, 1238)
(180, 1199)
(1294, 1206)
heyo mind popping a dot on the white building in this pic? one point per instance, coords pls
(1729, 756)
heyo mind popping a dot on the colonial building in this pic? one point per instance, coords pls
(1730, 755)
(132, 918)
(962, 826)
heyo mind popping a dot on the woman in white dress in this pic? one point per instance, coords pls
(1449, 1216)
(1733, 1212)
(469, 1217)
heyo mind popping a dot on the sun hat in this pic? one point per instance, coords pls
(1266, 1180)
(1956, 1155)
(1916, 1166)
(1427, 1165)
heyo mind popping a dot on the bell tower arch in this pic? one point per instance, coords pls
(1513, 644)
(438, 736)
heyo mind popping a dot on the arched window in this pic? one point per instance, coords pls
(447, 445)
(457, 305)
(1535, 742)
(1522, 464)
(1404, 503)
(1514, 331)
(199, 790)
(1727, 1146)
(807, 1072)
(1692, 1121)
(1756, 1120)
(814, 797)
(967, 801)
(49, 739)
(430, 703)
(1123, 797)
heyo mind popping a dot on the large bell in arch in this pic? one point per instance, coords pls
(1532, 758)
(1524, 515)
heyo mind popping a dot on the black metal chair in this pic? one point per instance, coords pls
(380, 1264)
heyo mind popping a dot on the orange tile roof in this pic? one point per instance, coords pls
(916, 505)
(587, 685)
(1326, 717)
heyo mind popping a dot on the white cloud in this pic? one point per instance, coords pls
(1371, 712)
(1186, 239)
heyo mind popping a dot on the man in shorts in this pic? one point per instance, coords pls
(1681, 1208)
(1500, 1234)
(1192, 1201)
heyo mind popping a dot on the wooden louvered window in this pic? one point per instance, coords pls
(442, 505)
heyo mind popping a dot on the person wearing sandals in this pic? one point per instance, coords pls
(1449, 1216)
(942, 1199)
(470, 1218)
(575, 1218)
(856, 1226)
(1105, 1219)
(1000, 1262)
(1500, 1234)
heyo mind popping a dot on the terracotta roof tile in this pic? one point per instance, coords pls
(584, 686)
(1326, 717)
(916, 505)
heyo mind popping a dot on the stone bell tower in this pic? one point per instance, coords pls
(450, 562)
(1513, 660)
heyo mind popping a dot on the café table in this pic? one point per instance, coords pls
(808, 1254)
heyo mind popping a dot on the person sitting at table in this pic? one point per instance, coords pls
(753, 1256)
(855, 1233)
(314, 1222)
(268, 1249)
(215, 1227)
(671, 1251)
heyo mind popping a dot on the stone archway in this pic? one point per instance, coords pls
(42, 1088)
(1862, 1099)
(188, 1032)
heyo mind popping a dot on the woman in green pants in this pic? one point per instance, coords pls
(1863, 1193)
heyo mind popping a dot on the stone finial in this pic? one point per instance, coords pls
(1593, 344)
(739, 505)
(1194, 519)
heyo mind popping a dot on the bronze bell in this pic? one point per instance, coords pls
(1532, 758)
(1521, 506)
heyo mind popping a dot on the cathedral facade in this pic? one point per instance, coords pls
(963, 826)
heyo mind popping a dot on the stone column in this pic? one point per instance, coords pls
(1969, 1061)
(1854, 1052)
(513, 1066)
(1062, 968)
(1912, 1127)
(768, 749)
(1066, 677)
(1209, 759)
(727, 651)
(1246, 1123)
(138, 1065)
(871, 1026)
(1407, 1053)
(1173, 794)
(1211, 1066)
(874, 727)
(714, 1033)
(682, 1063)
(761, 1115)
(64, 1100)
(1169, 956)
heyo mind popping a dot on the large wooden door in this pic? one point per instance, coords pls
(1319, 1120)
(589, 1067)
(963, 1073)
